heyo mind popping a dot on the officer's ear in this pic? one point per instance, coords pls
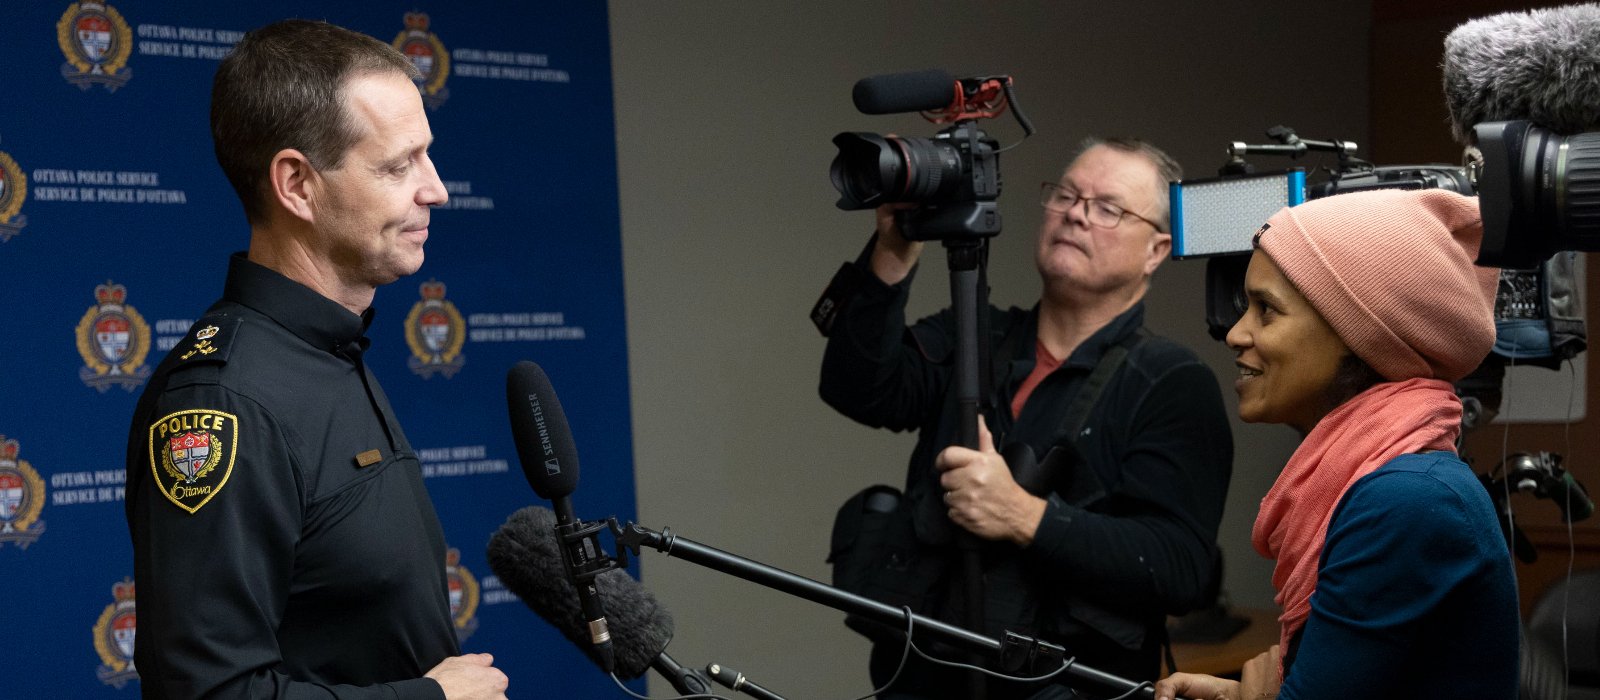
(291, 183)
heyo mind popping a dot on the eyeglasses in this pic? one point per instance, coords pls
(1060, 200)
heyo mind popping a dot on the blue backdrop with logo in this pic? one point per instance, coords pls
(115, 229)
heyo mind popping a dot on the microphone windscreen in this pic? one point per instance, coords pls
(1541, 65)
(539, 428)
(524, 554)
(917, 91)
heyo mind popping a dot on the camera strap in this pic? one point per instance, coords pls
(1041, 476)
(1082, 403)
(841, 289)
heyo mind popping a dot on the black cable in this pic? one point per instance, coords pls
(708, 696)
(904, 655)
(1142, 686)
(996, 674)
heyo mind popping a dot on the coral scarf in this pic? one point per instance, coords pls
(1383, 422)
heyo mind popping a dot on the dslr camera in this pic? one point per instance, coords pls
(952, 177)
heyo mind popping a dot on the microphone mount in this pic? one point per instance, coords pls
(1291, 145)
(685, 680)
(1015, 652)
(585, 557)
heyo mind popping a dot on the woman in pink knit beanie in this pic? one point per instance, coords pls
(1390, 567)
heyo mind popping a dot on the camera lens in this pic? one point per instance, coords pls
(1577, 205)
(1539, 193)
(871, 170)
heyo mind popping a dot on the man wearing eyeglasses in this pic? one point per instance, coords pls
(1113, 526)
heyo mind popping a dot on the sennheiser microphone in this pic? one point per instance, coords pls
(917, 91)
(1540, 65)
(550, 461)
(526, 557)
(539, 427)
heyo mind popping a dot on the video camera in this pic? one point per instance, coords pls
(953, 177)
(1539, 193)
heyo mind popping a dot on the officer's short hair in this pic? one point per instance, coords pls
(282, 87)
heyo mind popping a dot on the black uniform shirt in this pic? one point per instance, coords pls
(284, 544)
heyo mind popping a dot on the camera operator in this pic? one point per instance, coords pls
(1122, 533)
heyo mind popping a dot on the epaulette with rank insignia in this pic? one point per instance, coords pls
(209, 340)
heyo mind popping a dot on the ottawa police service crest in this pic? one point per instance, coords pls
(21, 498)
(435, 331)
(192, 453)
(13, 192)
(428, 54)
(463, 595)
(113, 637)
(97, 43)
(113, 340)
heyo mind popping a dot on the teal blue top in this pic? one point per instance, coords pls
(1416, 596)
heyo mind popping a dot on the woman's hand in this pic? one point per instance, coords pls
(1259, 681)
(1197, 687)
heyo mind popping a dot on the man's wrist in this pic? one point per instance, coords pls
(424, 688)
(889, 267)
(1027, 527)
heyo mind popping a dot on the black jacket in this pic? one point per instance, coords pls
(1106, 569)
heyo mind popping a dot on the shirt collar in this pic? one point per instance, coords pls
(1088, 352)
(314, 318)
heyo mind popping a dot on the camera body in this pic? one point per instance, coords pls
(953, 178)
(1396, 177)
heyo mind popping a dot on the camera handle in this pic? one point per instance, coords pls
(1541, 476)
(968, 298)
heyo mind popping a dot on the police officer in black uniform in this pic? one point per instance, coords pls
(284, 544)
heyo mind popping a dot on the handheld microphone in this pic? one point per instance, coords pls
(539, 427)
(526, 557)
(550, 462)
(917, 91)
(1538, 65)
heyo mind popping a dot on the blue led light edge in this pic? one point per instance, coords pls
(1175, 197)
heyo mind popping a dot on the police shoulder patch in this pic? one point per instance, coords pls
(210, 339)
(192, 453)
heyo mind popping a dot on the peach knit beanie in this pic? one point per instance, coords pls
(1391, 271)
